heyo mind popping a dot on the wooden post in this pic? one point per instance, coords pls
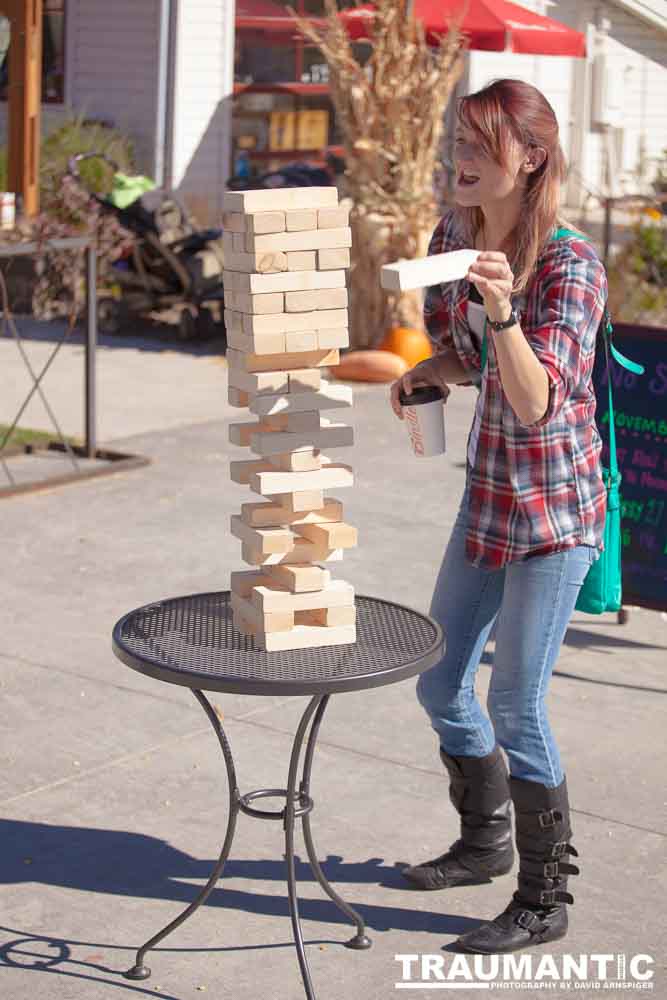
(25, 95)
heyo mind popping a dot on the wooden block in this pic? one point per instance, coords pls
(257, 343)
(337, 594)
(333, 218)
(402, 275)
(332, 338)
(311, 239)
(227, 245)
(238, 242)
(296, 461)
(243, 582)
(265, 540)
(271, 443)
(323, 319)
(306, 637)
(300, 501)
(330, 259)
(309, 420)
(306, 341)
(323, 298)
(301, 260)
(332, 535)
(295, 360)
(328, 617)
(265, 222)
(330, 395)
(241, 471)
(236, 397)
(268, 262)
(233, 222)
(267, 515)
(330, 477)
(264, 621)
(280, 199)
(304, 380)
(299, 579)
(300, 218)
(259, 304)
(289, 281)
(303, 552)
(239, 434)
(259, 382)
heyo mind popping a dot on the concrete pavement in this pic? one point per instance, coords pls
(113, 792)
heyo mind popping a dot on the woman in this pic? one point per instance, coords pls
(532, 514)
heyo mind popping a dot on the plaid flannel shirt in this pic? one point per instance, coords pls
(538, 488)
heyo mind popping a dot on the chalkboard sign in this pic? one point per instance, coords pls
(640, 411)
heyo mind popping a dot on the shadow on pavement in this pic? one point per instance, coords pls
(581, 637)
(144, 336)
(122, 863)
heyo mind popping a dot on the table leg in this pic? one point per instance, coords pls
(288, 824)
(360, 941)
(139, 970)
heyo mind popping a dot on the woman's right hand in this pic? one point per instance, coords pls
(427, 372)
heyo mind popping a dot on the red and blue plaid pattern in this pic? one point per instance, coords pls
(538, 488)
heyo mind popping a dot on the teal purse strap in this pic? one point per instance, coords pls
(620, 359)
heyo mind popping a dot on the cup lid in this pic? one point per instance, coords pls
(422, 394)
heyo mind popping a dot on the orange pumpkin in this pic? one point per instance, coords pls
(369, 366)
(409, 343)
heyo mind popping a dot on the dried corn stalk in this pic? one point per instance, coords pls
(390, 113)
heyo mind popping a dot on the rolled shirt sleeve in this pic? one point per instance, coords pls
(571, 305)
(436, 315)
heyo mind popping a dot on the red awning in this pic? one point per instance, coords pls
(490, 25)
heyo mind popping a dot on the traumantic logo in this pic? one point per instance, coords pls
(526, 972)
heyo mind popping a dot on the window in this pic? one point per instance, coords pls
(282, 107)
(53, 53)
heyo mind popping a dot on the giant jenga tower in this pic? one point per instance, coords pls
(286, 252)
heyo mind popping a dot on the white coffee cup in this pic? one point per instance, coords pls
(424, 417)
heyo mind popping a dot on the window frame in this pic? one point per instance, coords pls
(54, 102)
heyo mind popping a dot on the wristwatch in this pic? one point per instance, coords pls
(504, 324)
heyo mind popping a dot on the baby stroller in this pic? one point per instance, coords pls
(171, 264)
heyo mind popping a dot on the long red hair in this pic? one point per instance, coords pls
(504, 112)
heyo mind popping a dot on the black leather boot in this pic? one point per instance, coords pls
(479, 791)
(537, 912)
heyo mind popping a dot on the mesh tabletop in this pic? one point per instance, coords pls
(192, 641)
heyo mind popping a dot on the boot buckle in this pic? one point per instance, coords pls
(560, 848)
(551, 869)
(526, 919)
(548, 818)
(547, 897)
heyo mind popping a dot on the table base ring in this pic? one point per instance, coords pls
(298, 804)
(306, 804)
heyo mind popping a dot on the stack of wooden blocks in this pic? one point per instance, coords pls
(286, 316)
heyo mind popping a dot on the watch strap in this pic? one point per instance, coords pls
(504, 324)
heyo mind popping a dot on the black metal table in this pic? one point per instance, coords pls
(191, 641)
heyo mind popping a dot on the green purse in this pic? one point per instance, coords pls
(602, 588)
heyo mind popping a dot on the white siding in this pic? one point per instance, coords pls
(202, 82)
(113, 56)
(638, 62)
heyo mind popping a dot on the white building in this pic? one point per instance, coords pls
(163, 71)
(611, 106)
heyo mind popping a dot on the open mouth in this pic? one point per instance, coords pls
(467, 180)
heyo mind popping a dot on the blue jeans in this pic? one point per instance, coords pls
(532, 602)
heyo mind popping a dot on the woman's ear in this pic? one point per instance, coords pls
(534, 159)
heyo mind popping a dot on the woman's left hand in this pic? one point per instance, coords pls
(493, 278)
